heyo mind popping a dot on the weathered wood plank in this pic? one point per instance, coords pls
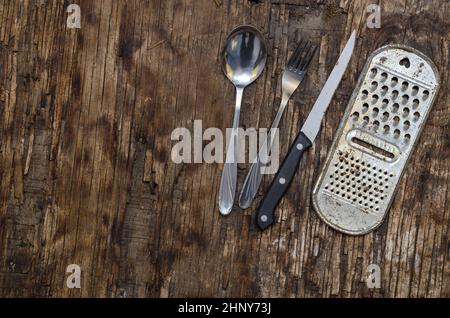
(86, 175)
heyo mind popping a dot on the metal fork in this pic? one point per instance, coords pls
(292, 77)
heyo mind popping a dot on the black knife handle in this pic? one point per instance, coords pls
(280, 184)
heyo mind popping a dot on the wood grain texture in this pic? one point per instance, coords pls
(86, 176)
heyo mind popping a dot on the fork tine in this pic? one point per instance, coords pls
(291, 58)
(307, 58)
(310, 58)
(303, 55)
(294, 56)
(298, 58)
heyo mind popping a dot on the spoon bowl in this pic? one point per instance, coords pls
(244, 55)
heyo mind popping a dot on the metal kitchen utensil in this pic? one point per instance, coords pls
(292, 77)
(304, 140)
(244, 58)
(381, 125)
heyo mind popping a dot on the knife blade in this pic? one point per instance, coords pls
(304, 140)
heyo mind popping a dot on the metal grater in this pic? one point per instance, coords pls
(381, 125)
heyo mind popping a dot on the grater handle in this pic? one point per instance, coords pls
(281, 182)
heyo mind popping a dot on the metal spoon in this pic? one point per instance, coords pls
(244, 57)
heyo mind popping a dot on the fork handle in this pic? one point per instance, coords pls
(254, 176)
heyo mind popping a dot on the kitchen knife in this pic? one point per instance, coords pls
(304, 140)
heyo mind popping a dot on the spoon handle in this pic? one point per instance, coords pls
(229, 174)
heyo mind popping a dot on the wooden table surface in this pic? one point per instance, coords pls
(85, 153)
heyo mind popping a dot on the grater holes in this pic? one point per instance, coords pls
(373, 72)
(355, 116)
(375, 99)
(425, 95)
(394, 81)
(364, 94)
(373, 86)
(384, 76)
(394, 94)
(365, 107)
(406, 125)
(405, 86)
(416, 116)
(395, 107)
(414, 90)
(375, 111)
(405, 112)
(385, 116)
(376, 125)
(405, 99)
(415, 103)
(358, 182)
(384, 90)
(384, 103)
(396, 120)
(396, 133)
(407, 137)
